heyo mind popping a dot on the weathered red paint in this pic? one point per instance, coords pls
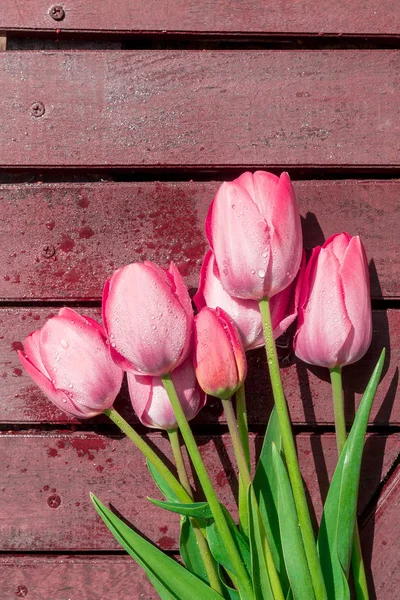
(92, 229)
(213, 16)
(46, 480)
(307, 388)
(201, 109)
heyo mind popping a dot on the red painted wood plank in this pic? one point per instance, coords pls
(250, 16)
(22, 402)
(66, 577)
(200, 109)
(92, 229)
(46, 479)
(381, 541)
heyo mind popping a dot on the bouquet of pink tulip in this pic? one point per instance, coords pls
(253, 285)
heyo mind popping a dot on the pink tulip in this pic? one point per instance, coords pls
(253, 227)
(150, 400)
(69, 359)
(219, 357)
(148, 316)
(335, 320)
(246, 313)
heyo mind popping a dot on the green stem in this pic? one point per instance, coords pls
(360, 578)
(215, 507)
(245, 476)
(291, 456)
(204, 550)
(242, 422)
(151, 456)
(173, 435)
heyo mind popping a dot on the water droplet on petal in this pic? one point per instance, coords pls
(253, 272)
(261, 273)
(64, 401)
(113, 344)
(233, 205)
(64, 343)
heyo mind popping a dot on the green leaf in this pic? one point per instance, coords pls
(196, 509)
(338, 519)
(189, 550)
(292, 542)
(161, 484)
(229, 592)
(265, 487)
(261, 583)
(217, 545)
(171, 577)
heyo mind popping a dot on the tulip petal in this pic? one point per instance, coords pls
(145, 320)
(220, 360)
(60, 398)
(338, 244)
(244, 313)
(32, 352)
(286, 236)
(355, 279)
(76, 357)
(239, 238)
(150, 399)
(324, 326)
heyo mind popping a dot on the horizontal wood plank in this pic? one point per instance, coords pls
(44, 493)
(66, 577)
(307, 389)
(380, 538)
(371, 17)
(200, 109)
(61, 241)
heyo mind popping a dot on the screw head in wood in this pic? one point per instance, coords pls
(48, 251)
(21, 591)
(38, 109)
(57, 12)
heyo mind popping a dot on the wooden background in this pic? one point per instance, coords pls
(118, 122)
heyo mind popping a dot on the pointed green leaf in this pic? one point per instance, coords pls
(292, 542)
(289, 595)
(199, 510)
(265, 487)
(338, 519)
(217, 546)
(169, 574)
(229, 592)
(189, 550)
(261, 583)
(161, 484)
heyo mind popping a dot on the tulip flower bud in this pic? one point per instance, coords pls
(69, 359)
(148, 317)
(219, 357)
(150, 400)
(335, 319)
(246, 313)
(253, 227)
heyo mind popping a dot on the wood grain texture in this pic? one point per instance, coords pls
(44, 494)
(372, 17)
(381, 541)
(307, 388)
(93, 229)
(199, 109)
(66, 577)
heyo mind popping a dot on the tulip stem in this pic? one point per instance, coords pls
(360, 578)
(289, 447)
(202, 545)
(246, 481)
(215, 507)
(149, 453)
(244, 474)
(242, 422)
